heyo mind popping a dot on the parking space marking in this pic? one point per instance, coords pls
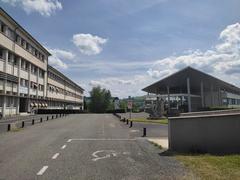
(64, 146)
(55, 156)
(41, 172)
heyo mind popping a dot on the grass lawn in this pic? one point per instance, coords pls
(144, 120)
(213, 167)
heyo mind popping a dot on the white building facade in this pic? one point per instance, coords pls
(25, 82)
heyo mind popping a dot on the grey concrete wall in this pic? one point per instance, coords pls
(209, 133)
(228, 111)
(212, 99)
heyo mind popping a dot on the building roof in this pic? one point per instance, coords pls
(64, 77)
(23, 30)
(179, 80)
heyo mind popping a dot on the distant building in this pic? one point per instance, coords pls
(116, 103)
(27, 82)
(190, 90)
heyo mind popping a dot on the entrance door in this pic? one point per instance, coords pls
(23, 105)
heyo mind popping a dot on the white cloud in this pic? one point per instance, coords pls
(59, 56)
(124, 86)
(44, 7)
(222, 61)
(89, 44)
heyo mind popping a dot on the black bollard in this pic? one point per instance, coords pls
(23, 124)
(33, 122)
(131, 124)
(144, 132)
(127, 121)
(40, 120)
(47, 118)
(52, 117)
(9, 127)
(56, 116)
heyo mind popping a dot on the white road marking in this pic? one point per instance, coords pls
(55, 156)
(64, 146)
(134, 130)
(103, 139)
(126, 153)
(69, 140)
(108, 155)
(44, 168)
(112, 125)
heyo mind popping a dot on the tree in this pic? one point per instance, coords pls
(100, 100)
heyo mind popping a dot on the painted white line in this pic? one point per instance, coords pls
(64, 146)
(69, 140)
(55, 156)
(44, 168)
(103, 139)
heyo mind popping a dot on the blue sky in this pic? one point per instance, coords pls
(125, 45)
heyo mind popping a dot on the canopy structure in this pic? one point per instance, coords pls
(192, 82)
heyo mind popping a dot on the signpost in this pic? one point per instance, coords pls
(130, 105)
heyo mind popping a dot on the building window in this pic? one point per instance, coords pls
(15, 61)
(10, 58)
(10, 33)
(41, 73)
(27, 64)
(23, 42)
(2, 54)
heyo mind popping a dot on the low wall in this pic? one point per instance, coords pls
(229, 111)
(216, 133)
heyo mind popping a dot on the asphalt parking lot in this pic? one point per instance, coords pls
(87, 146)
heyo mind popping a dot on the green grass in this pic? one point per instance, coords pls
(144, 120)
(211, 167)
(156, 145)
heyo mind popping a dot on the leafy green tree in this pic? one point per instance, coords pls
(100, 100)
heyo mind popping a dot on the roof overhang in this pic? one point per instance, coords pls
(179, 80)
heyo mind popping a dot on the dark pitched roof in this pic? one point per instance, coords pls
(178, 79)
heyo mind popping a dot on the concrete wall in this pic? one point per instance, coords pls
(228, 111)
(219, 133)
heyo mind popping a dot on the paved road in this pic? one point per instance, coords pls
(82, 147)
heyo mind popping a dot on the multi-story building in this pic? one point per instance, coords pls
(27, 82)
(192, 90)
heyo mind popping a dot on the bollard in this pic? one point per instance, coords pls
(144, 132)
(52, 117)
(127, 121)
(40, 120)
(9, 127)
(47, 118)
(56, 116)
(60, 115)
(33, 122)
(131, 123)
(124, 119)
(23, 124)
